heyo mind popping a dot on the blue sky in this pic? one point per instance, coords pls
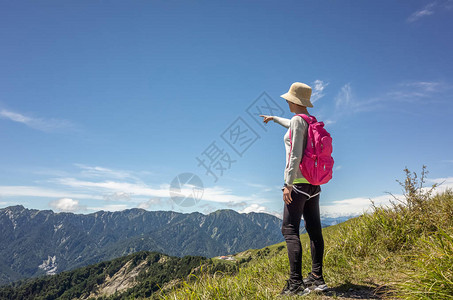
(103, 104)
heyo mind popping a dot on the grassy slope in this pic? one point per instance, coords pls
(264, 275)
(402, 251)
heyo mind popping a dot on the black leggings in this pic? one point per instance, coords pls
(306, 204)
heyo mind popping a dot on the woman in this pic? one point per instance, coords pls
(300, 197)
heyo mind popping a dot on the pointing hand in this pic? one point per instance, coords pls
(267, 118)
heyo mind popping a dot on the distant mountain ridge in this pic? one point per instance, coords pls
(35, 242)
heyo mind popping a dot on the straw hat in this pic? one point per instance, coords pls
(299, 93)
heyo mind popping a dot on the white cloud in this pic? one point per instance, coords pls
(359, 205)
(416, 91)
(36, 123)
(345, 103)
(215, 194)
(430, 9)
(117, 196)
(254, 207)
(443, 183)
(219, 194)
(352, 206)
(96, 172)
(344, 97)
(15, 116)
(235, 204)
(122, 191)
(407, 91)
(425, 11)
(318, 88)
(110, 207)
(329, 122)
(151, 202)
(66, 205)
(428, 86)
(111, 186)
(33, 191)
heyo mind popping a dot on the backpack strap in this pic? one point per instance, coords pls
(309, 120)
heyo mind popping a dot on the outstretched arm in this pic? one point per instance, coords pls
(282, 121)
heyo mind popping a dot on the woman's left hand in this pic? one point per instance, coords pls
(287, 194)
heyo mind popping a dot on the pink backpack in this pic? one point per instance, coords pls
(316, 164)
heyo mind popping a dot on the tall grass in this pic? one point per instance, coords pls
(405, 249)
(412, 239)
(433, 275)
(398, 227)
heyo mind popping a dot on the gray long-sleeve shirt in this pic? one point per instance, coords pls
(299, 128)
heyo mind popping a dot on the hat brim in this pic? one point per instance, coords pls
(293, 99)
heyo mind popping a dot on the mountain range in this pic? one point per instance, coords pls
(37, 242)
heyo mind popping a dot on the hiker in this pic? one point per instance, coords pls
(300, 197)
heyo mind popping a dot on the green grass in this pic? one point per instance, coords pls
(402, 251)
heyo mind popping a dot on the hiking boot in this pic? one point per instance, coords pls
(294, 287)
(315, 283)
(286, 287)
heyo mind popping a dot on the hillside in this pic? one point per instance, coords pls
(136, 275)
(402, 251)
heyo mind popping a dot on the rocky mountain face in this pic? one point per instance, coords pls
(138, 275)
(36, 242)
